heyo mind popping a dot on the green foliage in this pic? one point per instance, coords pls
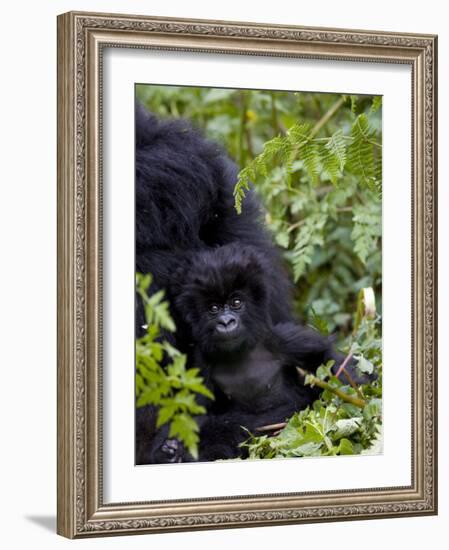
(318, 155)
(315, 160)
(322, 190)
(361, 153)
(367, 229)
(346, 420)
(172, 387)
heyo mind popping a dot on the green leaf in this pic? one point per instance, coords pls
(317, 322)
(186, 429)
(345, 447)
(165, 414)
(150, 396)
(373, 409)
(307, 449)
(364, 365)
(198, 387)
(170, 350)
(282, 239)
(346, 427)
(177, 368)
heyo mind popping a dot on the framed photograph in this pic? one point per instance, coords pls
(246, 274)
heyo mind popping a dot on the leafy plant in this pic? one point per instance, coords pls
(162, 378)
(323, 197)
(346, 419)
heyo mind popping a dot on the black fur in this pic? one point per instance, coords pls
(253, 371)
(185, 203)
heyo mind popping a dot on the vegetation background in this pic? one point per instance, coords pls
(315, 160)
(322, 194)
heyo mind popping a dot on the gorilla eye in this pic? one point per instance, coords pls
(213, 308)
(236, 303)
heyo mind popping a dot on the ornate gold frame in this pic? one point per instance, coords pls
(81, 38)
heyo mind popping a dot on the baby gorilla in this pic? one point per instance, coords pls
(246, 360)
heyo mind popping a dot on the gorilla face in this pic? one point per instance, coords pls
(223, 297)
(226, 323)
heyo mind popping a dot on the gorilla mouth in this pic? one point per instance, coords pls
(229, 331)
(228, 336)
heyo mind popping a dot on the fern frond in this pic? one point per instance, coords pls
(299, 134)
(360, 151)
(280, 147)
(308, 153)
(378, 175)
(337, 147)
(333, 156)
(367, 228)
(308, 237)
(240, 189)
(377, 103)
(305, 148)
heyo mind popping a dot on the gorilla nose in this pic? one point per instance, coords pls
(227, 323)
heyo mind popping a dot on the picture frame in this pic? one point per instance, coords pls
(83, 39)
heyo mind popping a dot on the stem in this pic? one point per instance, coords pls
(249, 141)
(374, 143)
(242, 156)
(295, 225)
(274, 115)
(353, 384)
(343, 365)
(326, 117)
(325, 386)
(270, 427)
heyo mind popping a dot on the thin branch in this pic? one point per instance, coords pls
(352, 383)
(295, 225)
(325, 386)
(343, 365)
(249, 141)
(242, 99)
(274, 115)
(374, 143)
(326, 117)
(270, 427)
(342, 369)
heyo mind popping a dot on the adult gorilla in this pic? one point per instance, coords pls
(185, 203)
